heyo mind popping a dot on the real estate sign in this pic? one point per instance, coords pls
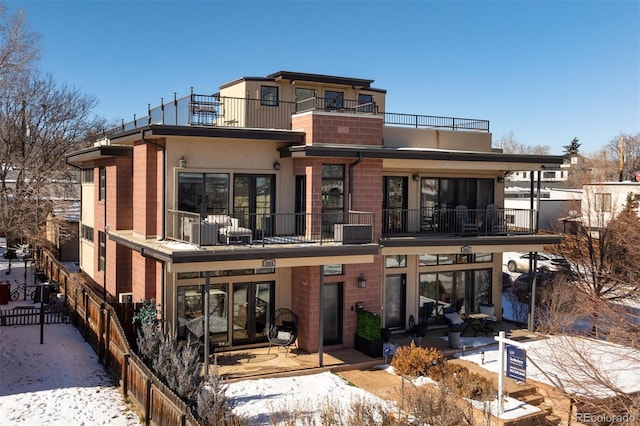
(516, 363)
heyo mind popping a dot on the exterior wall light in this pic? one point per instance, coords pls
(362, 282)
(276, 165)
(182, 162)
(416, 177)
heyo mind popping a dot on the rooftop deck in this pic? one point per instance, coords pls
(215, 110)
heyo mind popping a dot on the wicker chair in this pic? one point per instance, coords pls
(283, 329)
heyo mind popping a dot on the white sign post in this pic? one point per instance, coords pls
(502, 341)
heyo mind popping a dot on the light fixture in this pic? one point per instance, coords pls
(182, 162)
(362, 282)
(416, 176)
(500, 179)
(276, 165)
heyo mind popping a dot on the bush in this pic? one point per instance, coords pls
(463, 382)
(369, 325)
(414, 361)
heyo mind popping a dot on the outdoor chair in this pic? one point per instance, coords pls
(283, 329)
(463, 223)
(493, 221)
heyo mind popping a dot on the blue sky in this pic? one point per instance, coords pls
(548, 71)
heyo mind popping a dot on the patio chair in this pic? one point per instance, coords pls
(283, 329)
(493, 221)
(463, 223)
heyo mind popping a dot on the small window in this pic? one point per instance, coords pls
(603, 203)
(333, 99)
(87, 233)
(102, 194)
(87, 175)
(336, 269)
(269, 95)
(102, 251)
(396, 261)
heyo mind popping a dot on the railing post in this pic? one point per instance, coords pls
(147, 403)
(107, 337)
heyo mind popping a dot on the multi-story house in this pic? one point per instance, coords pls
(301, 191)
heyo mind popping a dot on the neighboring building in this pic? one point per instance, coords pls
(554, 205)
(279, 187)
(604, 200)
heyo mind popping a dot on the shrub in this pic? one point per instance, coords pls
(466, 384)
(414, 361)
(369, 325)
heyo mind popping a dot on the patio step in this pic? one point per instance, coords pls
(532, 399)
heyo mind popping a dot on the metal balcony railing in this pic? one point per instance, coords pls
(262, 229)
(457, 221)
(223, 111)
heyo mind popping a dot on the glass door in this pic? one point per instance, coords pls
(395, 292)
(252, 311)
(254, 203)
(394, 204)
(332, 314)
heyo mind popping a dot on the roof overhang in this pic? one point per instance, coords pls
(500, 160)
(488, 244)
(99, 152)
(158, 131)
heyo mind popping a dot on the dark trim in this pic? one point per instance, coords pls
(97, 152)
(248, 253)
(320, 78)
(163, 130)
(415, 154)
(500, 240)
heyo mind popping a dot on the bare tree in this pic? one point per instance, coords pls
(511, 145)
(40, 122)
(606, 263)
(630, 148)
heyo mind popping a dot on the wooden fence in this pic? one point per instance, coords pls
(100, 327)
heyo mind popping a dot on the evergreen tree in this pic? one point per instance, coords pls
(573, 148)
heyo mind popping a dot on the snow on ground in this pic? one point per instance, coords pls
(255, 400)
(579, 365)
(57, 383)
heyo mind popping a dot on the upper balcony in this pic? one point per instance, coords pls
(269, 229)
(224, 111)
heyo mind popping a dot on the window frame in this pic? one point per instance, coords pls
(102, 251)
(267, 95)
(603, 202)
(333, 99)
(102, 184)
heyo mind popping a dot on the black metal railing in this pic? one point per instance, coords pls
(224, 111)
(457, 221)
(262, 229)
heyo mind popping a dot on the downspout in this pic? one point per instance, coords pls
(351, 166)
(164, 219)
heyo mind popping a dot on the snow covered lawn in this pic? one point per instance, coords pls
(57, 383)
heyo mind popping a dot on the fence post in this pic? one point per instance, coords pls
(107, 337)
(85, 301)
(147, 403)
(125, 373)
(101, 330)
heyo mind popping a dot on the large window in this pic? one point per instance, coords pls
(365, 103)
(102, 191)
(333, 99)
(447, 193)
(102, 251)
(269, 95)
(467, 288)
(603, 202)
(204, 193)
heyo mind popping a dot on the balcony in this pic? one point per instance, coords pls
(439, 223)
(223, 111)
(268, 229)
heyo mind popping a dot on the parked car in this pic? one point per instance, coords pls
(545, 262)
(521, 284)
(507, 281)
